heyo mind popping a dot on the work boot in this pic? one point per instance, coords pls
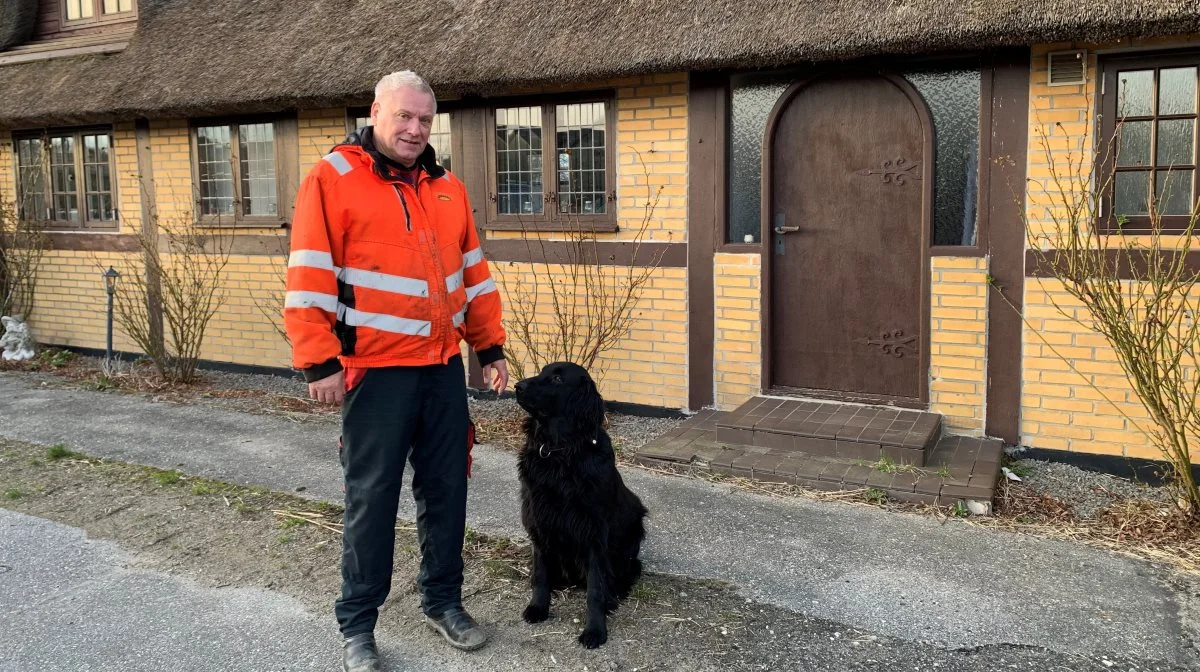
(457, 626)
(359, 654)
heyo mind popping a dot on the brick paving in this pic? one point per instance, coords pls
(835, 447)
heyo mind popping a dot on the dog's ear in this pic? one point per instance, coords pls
(593, 403)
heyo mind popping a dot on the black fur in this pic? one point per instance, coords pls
(585, 524)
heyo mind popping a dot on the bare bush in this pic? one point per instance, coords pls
(183, 276)
(586, 308)
(22, 245)
(1137, 291)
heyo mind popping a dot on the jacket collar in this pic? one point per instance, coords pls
(364, 139)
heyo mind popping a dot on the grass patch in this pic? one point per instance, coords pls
(167, 477)
(59, 451)
(13, 493)
(643, 592)
(290, 523)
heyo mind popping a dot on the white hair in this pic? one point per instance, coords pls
(404, 78)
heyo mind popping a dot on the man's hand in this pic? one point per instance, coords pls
(329, 390)
(500, 382)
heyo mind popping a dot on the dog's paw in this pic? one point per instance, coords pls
(593, 637)
(535, 614)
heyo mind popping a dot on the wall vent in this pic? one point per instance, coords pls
(1066, 67)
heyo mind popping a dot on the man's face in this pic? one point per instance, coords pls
(402, 121)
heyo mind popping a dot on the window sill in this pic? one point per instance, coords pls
(956, 251)
(740, 248)
(554, 227)
(70, 228)
(245, 223)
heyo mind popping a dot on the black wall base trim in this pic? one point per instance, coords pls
(1138, 469)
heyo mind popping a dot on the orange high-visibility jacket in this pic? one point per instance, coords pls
(382, 273)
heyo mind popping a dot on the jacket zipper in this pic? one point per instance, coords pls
(403, 204)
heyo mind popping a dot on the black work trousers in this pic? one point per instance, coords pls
(417, 413)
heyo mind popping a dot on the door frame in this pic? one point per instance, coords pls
(767, 237)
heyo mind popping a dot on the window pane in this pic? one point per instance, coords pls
(64, 198)
(1132, 193)
(579, 136)
(439, 138)
(117, 6)
(97, 180)
(519, 161)
(1174, 192)
(214, 155)
(1176, 144)
(1134, 149)
(80, 9)
(1177, 91)
(362, 122)
(751, 100)
(256, 144)
(31, 181)
(1135, 93)
(953, 97)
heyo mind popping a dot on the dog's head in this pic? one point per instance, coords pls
(563, 392)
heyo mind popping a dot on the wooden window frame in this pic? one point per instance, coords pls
(286, 145)
(77, 134)
(98, 17)
(551, 220)
(1106, 115)
(353, 113)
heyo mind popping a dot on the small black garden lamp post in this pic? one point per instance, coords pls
(110, 285)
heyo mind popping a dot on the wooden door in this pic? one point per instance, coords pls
(849, 207)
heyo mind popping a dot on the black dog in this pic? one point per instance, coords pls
(585, 525)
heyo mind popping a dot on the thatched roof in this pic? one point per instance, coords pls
(207, 56)
(17, 20)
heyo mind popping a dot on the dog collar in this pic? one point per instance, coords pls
(546, 453)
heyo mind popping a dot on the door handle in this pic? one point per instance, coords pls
(786, 229)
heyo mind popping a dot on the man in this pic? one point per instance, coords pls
(386, 277)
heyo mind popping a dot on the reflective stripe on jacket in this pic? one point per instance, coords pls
(385, 273)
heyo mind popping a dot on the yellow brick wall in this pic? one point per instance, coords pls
(737, 360)
(171, 157)
(71, 304)
(958, 342)
(649, 366)
(8, 169)
(319, 131)
(651, 158)
(128, 187)
(243, 330)
(1092, 408)
(1075, 396)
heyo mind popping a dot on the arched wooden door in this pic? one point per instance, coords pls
(848, 172)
